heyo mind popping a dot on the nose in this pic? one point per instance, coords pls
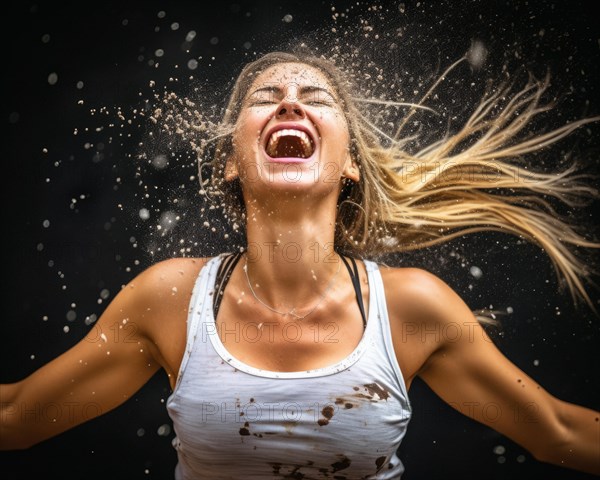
(287, 109)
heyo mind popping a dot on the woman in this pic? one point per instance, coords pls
(293, 359)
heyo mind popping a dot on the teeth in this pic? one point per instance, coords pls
(288, 132)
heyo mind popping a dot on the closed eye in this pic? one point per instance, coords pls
(320, 102)
(308, 95)
(262, 102)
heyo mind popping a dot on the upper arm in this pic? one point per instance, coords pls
(103, 370)
(466, 369)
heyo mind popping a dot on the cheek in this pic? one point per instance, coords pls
(243, 137)
(336, 137)
(335, 124)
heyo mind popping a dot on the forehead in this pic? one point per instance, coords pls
(288, 74)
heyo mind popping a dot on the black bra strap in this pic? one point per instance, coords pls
(356, 283)
(228, 263)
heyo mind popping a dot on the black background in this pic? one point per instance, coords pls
(99, 242)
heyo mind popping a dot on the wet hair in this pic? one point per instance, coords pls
(470, 181)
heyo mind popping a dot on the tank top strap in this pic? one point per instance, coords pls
(228, 263)
(353, 270)
(203, 285)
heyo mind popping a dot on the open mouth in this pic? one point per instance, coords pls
(290, 143)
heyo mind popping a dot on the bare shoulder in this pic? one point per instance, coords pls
(167, 276)
(158, 293)
(423, 311)
(419, 295)
(158, 298)
(162, 292)
(172, 269)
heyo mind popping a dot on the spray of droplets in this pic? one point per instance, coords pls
(184, 120)
(178, 121)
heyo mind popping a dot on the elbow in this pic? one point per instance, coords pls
(570, 440)
(547, 453)
(12, 430)
(11, 443)
(12, 439)
(14, 435)
(553, 435)
(551, 446)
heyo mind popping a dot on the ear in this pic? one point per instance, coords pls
(351, 170)
(231, 171)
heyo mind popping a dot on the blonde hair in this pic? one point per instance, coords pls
(470, 181)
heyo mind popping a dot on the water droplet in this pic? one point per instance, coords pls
(499, 449)
(168, 220)
(164, 430)
(13, 117)
(53, 78)
(476, 272)
(160, 161)
(477, 54)
(287, 18)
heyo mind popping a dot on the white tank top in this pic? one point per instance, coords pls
(234, 421)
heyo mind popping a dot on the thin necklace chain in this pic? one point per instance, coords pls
(292, 312)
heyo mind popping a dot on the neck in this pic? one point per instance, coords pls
(290, 258)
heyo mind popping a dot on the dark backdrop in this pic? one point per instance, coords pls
(72, 192)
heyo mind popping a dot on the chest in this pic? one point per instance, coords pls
(286, 344)
(311, 423)
(269, 343)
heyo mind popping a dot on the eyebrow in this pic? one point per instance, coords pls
(304, 90)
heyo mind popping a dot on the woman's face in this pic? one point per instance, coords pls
(291, 135)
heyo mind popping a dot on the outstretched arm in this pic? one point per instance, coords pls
(469, 373)
(115, 359)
